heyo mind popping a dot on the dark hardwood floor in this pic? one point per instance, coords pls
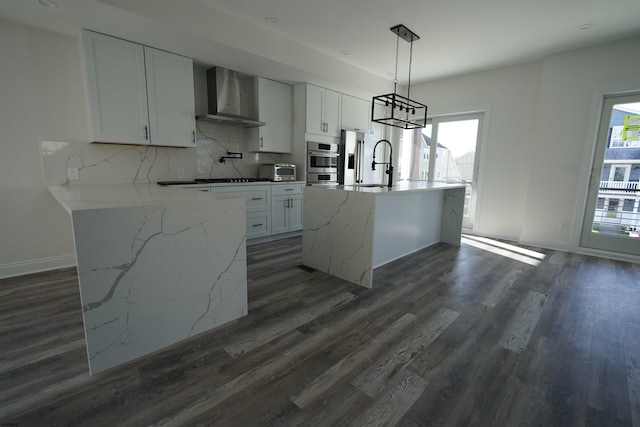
(448, 336)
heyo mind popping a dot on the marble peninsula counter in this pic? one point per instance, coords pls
(351, 230)
(156, 265)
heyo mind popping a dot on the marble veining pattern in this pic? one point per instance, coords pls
(343, 225)
(152, 274)
(338, 233)
(137, 164)
(452, 213)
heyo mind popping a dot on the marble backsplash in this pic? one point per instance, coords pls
(121, 164)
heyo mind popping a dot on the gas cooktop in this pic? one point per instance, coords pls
(214, 181)
(223, 180)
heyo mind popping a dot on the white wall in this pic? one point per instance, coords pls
(540, 139)
(511, 94)
(570, 91)
(40, 98)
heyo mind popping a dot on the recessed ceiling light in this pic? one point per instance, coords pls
(585, 26)
(49, 3)
(271, 19)
(344, 52)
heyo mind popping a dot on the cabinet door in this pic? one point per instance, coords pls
(257, 198)
(258, 224)
(355, 113)
(315, 120)
(332, 112)
(378, 129)
(280, 214)
(275, 104)
(295, 212)
(116, 89)
(170, 94)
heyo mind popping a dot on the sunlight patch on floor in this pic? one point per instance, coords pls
(526, 256)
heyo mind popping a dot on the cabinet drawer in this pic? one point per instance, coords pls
(258, 224)
(286, 189)
(257, 198)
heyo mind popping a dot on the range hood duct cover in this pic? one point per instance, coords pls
(233, 98)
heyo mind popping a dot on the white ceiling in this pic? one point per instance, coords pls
(456, 36)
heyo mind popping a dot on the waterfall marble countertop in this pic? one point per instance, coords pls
(97, 196)
(156, 265)
(400, 187)
(351, 230)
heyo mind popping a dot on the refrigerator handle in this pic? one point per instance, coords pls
(358, 162)
(361, 161)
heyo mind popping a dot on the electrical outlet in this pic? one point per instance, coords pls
(563, 226)
(73, 174)
(180, 172)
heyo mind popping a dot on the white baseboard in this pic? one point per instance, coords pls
(610, 255)
(37, 265)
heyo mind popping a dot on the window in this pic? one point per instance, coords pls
(444, 150)
(628, 205)
(606, 171)
(618, 174)
(600, 203)
(612, 209)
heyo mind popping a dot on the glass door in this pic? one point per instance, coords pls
(452, 158)
(611, 219)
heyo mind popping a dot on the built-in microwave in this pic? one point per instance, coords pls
(322, 158)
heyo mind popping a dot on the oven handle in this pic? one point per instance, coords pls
(323, 154)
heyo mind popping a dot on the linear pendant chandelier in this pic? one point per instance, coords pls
(400, 111)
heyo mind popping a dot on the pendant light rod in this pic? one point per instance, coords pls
(400, 111)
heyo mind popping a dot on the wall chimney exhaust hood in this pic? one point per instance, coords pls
(233, 99)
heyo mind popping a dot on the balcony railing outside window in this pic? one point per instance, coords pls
(619, 186)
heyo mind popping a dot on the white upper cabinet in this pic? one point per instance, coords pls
(378, 129)
(117, 89)
(356, 113)
(138, 95)
(275, 106)
(323, 111)
(170, 98)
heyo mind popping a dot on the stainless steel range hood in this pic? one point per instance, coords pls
(233, 98)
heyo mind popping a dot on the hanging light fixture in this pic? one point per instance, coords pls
(400, 111)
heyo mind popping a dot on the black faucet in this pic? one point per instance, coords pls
(389, 164)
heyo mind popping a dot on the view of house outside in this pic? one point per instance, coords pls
(617, 207)
(455, 154)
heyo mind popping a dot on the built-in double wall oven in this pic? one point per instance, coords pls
(323, 160)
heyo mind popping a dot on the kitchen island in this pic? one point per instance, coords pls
(156, 265)
(351, 230)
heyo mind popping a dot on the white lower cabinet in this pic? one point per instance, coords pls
(286, 208)
(258, 224)
(271, 209)
(257, 206)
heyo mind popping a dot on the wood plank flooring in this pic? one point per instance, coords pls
(448, 336)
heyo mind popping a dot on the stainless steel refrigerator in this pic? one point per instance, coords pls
(356, 155)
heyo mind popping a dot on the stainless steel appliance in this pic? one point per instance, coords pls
(233, 98)
(356, 152)
(278, 172)
(323, 163)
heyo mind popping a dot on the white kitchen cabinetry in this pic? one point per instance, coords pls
(378, 129)
(257, 206)
(275, 106)
(323, 111)
(137, 94)
(286, 208)
(356, 113)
